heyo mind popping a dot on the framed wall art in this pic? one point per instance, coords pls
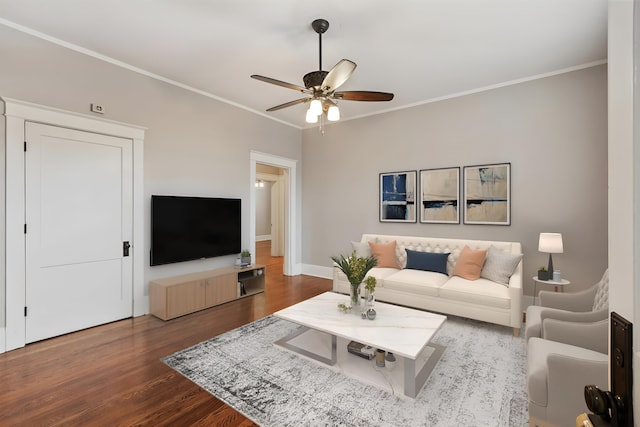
(487, 194)
(397, 196)
(440, 195)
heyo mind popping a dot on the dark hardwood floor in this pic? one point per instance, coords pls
(111, 375)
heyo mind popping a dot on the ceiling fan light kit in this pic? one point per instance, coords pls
(311, 117)
(321, 86)
(333, 113)
(315, 107)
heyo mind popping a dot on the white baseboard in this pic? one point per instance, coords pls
(2, 340)
(263, 238)
(317, 271)
(296, 269)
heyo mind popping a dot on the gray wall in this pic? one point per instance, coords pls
(194, 145)
(553, 131)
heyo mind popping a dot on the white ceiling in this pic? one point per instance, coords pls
(421, 50)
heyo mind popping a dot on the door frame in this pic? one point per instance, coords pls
(16, 114)
(291, 234)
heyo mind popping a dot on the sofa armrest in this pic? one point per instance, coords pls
(515, 281)
(574, 301)
(515, 293)
(591, 335)
(567, 376)
(339, 279)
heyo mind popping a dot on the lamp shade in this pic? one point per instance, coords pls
(550, 243)
(316, 107)
(333, 114)
(311, 117)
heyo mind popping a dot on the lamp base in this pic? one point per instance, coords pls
(550, 267)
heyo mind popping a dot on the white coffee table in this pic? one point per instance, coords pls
(403, 331)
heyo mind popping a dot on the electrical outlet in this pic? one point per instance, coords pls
(95, 108)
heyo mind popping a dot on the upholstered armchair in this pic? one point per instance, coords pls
(569, 356)
(589, 305)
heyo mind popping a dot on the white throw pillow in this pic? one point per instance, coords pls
(362, 249)
(499, 266)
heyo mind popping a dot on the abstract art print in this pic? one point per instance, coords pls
(487, 194)
(397, 196)
(440, 195)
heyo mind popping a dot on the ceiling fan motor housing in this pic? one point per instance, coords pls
(314, 79)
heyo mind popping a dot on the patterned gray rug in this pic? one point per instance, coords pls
(479, 381)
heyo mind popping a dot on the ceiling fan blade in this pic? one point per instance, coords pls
(289, 104)
(339, 74)
(281, 83)
(363, 95)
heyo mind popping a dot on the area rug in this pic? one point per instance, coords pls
(479, 381)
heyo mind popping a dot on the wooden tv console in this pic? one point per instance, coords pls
(176, 296)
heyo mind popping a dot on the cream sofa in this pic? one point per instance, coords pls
(480, 299)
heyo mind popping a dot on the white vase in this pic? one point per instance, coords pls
(369, 298)
(390, 361)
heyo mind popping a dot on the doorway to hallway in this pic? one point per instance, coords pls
(270, 203)
(290, 232)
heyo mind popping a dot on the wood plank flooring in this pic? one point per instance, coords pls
(111, 375)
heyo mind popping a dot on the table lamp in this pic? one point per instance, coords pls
(550, 243)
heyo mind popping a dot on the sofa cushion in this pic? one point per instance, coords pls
(499, 266)
(385, 253)
(416, 281)
(381, 273)
(481, 291)
(538, 350)
(427, 261)
(469, 263)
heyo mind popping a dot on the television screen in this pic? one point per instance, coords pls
(188, 228)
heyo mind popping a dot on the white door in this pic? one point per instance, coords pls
(78, 216)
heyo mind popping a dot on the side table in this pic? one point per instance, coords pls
(561, 284)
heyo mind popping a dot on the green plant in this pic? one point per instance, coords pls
(245, 253)
(343, 307)
(370, 284)
(543, 268)
(355, 267)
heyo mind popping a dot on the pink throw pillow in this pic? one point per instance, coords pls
(469, 264)
(385, 254)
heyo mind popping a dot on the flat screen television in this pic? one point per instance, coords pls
(189, 228)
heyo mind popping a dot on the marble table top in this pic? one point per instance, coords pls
(400, 330)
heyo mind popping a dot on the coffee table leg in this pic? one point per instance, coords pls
(410, 378)
(414, 381)
(284, 342)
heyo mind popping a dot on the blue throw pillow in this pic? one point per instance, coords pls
(427, 261)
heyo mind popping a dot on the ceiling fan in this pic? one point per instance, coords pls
(321, 85)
